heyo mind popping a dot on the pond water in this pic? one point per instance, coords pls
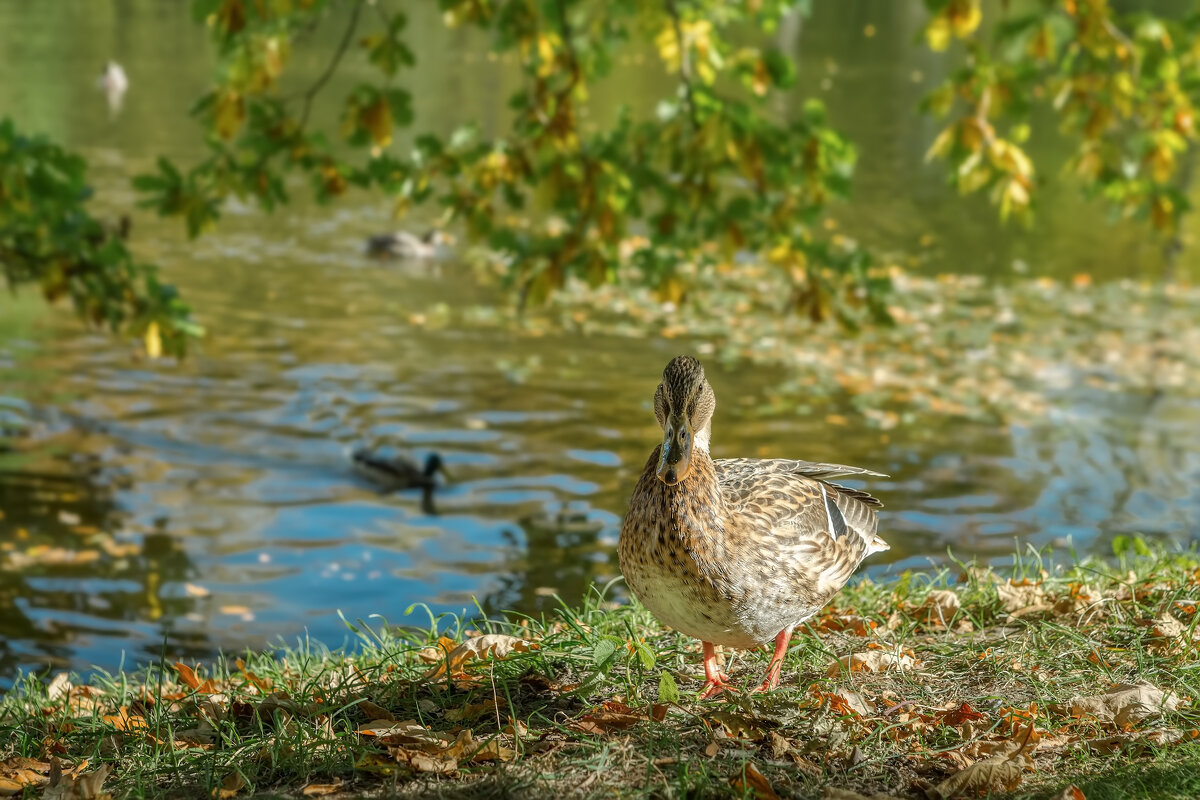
(181, 509)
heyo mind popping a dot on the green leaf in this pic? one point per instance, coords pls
(645, 655)
(668, 692)
(604, 653)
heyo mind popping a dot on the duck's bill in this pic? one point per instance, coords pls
(676, 457)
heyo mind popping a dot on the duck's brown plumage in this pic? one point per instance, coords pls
(738, 551)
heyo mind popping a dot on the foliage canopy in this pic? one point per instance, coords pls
(728, 164)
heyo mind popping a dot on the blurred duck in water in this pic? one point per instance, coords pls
(405, 245)
(114, 83)
(394, 471)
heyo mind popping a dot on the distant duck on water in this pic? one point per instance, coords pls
(394, 471)
(405, 245)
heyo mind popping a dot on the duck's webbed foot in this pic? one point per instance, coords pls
(776, 665)
(715, 681)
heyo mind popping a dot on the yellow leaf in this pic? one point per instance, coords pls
(937, 33)
(377, 119)
(229, 113)
(153, 341)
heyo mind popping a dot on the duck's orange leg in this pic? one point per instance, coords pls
(781, 646)
(715, 681)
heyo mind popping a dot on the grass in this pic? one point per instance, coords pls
(599, 701)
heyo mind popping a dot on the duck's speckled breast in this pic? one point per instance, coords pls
(676, 560)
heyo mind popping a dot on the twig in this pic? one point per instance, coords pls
(312, 91)
(685, 68)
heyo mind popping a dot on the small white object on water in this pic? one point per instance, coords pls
(115, 83)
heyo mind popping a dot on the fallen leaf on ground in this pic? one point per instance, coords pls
(321, 789)
(1124, 705)
(438, 652)
(471, 711)
(847, 623)
(939, 608)
(957, 716)
(374, 712)
(88, 786)
(600, 722)
(491, 645)
(60, 686)
(870, 661)
(990, 775)
(233, 783)
(844, 701)
(188, 676)
(739, 726)
(124, 721)
(751, 781)
(1072, 792)
(1133, 743)
(1020, 599)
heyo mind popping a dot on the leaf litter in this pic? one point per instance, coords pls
(896, 697)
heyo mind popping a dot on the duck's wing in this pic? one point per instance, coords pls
(395, 470)
(814, 529)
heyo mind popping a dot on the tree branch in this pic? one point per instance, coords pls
(312, 91)
(685, 68)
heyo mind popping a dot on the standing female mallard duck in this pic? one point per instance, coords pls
(403, 244)
(737, 551)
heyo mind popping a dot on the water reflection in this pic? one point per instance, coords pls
(70, 590)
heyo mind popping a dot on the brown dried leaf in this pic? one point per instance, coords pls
(188, 676)
(124, 721)
(438, 652)
(88, 786)
(492, 750)
(780, 746)
(753, 782)
(870, 661)
(1021, 599)
(374, 712)
(1124, 705)
(739, 726)
(939, 608)
(471, 711)
(990, 775)
(321, 789)
(492, 645)
(421, 761)
(845, 702)
(234, 782)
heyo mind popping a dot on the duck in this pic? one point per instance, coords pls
(395, 471)
(405, 245)
(737, 551)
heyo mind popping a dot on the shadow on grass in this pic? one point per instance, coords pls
(1174, 774)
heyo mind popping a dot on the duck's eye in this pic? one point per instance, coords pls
(683, 437)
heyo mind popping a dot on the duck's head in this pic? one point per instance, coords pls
(684, 405)
(437, 238)
(434, 465)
